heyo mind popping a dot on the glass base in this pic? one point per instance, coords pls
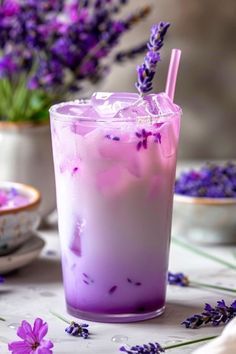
(114, 318)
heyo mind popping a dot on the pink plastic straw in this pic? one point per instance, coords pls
(172, 73)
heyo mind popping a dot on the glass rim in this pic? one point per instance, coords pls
(64, 117)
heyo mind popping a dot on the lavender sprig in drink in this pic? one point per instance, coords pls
(147, 70)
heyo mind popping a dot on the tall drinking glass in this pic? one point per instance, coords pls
(114, 181)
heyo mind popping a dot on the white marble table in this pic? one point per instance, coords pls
(36, 289)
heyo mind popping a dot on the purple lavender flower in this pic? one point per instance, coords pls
(7, 66)
(78, 330)
(1, 279)
(158, 33)
(10, 8)
(177, 279)
(143, 139)
(56, 46)
(147, 70)
(32, 339)
(212, 181)
(221, 313)
(150, 348)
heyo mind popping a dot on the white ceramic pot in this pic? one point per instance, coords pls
(26, 157)
(205, 220)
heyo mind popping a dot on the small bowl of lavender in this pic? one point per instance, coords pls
(205, 203)
(19, 215)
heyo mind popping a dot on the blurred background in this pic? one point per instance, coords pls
(205, 30)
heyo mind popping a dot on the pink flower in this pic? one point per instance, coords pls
(33, 342)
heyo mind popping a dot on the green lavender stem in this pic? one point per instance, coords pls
(189, 342)
(217, 287)
(202, 253)
(60, 317)
(2, 319)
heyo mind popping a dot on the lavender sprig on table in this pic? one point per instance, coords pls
(180, 279)
(212, 315)
(78, 330)
(156, 348)
(150, 348)
(74, 329)
(147, 70)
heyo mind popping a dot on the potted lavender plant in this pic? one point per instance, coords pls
(50, 49)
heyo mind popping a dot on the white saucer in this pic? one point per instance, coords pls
(22, 256)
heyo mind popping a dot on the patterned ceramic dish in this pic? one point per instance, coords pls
(19, 217)
(205, 220)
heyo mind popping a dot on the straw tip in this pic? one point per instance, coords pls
(176, 51)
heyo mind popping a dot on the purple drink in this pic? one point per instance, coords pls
(115, 177)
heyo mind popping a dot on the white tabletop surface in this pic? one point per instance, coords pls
(37, 288)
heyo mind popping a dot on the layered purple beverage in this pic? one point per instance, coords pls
(115, 159)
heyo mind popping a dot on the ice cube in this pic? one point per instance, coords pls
(113, 180)
(75, 241)
(160, 104)
(121, 152)
(169, 139)
(133, 111)
(80, 110)
(149, 106)
(107, 104)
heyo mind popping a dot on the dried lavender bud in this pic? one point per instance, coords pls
(78, 330)
(178, 279)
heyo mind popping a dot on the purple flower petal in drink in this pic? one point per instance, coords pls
(143, 135)
(112, 289)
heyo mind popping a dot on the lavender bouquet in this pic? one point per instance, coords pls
(52, 48)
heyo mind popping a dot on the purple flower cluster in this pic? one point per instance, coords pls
(178, 279)
(150, 348)
(147, 70)
(57, 45)
(78, 330)
(143, 136)
(221, 313)
(212, 181)
(1, 279)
